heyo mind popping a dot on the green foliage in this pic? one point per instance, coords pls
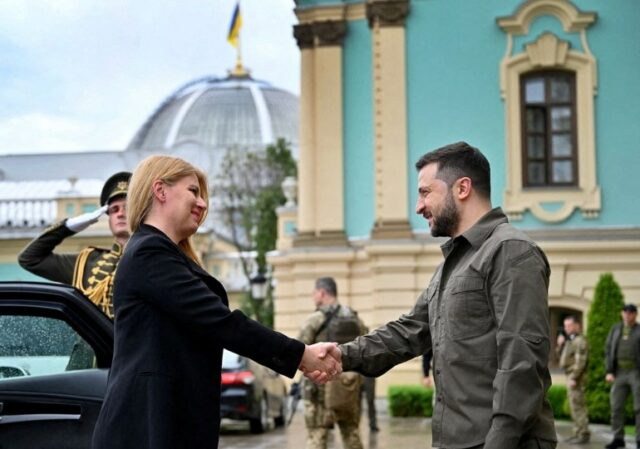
(559, 400)
(410, 400)
(603, 314)
(247, 193)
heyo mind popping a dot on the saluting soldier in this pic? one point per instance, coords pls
(574, 355)
(90, 271)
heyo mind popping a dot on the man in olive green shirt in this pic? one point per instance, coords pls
(484, 315)
(622, 364)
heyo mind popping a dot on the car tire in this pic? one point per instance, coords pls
(281, 420)
(262, 422)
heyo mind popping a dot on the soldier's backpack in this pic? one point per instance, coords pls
(342, 325)
(343, 394)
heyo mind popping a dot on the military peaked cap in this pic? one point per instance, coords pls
(117, 185)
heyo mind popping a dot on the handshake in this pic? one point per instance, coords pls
(321, 362)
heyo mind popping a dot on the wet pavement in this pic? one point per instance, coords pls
(395, 433)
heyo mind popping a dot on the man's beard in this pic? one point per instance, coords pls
(446, 222)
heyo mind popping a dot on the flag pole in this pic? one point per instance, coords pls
(239, 69)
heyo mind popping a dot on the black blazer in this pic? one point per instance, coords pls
(171, 322)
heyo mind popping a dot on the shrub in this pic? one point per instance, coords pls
(603, 314)
(410, 400)
(559, 400)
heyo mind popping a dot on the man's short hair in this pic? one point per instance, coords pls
(327, 284)
(630, 308)
(458, 160)
(573, 318)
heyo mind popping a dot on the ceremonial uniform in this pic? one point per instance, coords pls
(91, 271)
(573, 359)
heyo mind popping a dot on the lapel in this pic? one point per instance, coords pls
(214, 285)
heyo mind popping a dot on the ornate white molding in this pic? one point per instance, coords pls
(572, 19)
(548, 52)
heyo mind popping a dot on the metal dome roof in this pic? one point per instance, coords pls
(220, 113)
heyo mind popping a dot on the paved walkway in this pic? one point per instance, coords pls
(395, 433)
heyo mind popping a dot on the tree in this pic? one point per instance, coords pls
(246, 193)
(603, 314)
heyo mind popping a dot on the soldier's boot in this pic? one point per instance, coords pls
(615, 444)
(583, 439)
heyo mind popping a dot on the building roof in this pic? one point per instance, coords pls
(64, 166)
(221, 113)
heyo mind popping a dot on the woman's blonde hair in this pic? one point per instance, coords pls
(140, 194)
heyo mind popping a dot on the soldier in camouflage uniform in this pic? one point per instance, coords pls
(90, 271)
(318, 419)
(573, 359)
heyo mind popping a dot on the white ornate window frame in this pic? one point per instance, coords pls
(549, 52)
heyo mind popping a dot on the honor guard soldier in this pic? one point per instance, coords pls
(90, 271)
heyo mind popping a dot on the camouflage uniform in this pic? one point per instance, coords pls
(573, 359)
(318, 420)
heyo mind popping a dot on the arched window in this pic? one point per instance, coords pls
(550, 155)
(549, 143)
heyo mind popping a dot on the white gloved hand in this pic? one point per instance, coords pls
(81, 222)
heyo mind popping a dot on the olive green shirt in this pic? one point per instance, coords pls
(626, 350)
(486, 318)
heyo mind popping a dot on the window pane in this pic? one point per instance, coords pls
(31, 346)
(561, 119)
(561, 145)
(535, 120)
(560, 89)
(562, 172)
(534, 90)
(535, 147)
(536, 173)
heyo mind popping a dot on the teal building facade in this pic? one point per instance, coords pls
(548, 90)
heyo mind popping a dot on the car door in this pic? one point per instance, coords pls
(55, 351)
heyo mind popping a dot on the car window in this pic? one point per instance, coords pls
(231, 361)
(34, 346)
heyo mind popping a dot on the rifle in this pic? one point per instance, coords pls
(296, 394)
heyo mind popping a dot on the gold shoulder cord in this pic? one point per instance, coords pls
(99, 290)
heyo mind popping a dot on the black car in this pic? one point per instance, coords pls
(55, 350)
(252, 392)
(65, 344)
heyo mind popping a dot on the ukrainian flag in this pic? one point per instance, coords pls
(234, 27)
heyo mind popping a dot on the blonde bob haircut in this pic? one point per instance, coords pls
(140, 194)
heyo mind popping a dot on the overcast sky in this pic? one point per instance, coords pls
(85, 74)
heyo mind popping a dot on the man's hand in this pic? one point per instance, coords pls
(81, 222)
(609, 378)
(572, 383)
(561, 339)
(427, 382)
(321, 362)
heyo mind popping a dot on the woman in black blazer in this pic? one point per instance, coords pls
(172, 321)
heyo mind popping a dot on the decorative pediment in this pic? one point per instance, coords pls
(548, 51)
(572, 19)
